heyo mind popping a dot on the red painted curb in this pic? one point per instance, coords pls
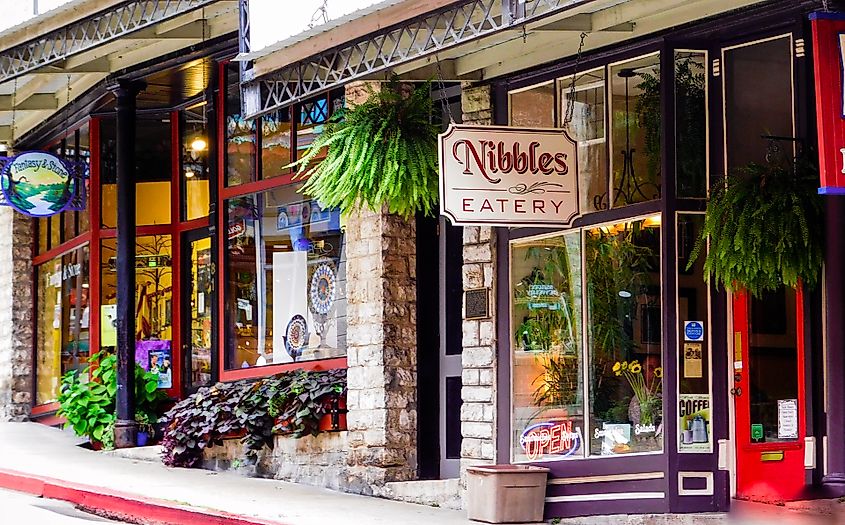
(119, 504)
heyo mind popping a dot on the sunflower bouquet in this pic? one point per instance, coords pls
(647, 391)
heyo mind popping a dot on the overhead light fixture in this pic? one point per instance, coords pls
(189, 174)
(652, 222)
(199, 144)
(3, 147)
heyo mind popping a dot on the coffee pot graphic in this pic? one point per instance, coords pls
(699, 430)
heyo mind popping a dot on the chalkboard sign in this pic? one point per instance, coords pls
(477, 303)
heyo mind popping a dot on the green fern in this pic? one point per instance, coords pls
(381, 152)
(765, 228)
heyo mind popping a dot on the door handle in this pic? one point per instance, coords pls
(736, 391)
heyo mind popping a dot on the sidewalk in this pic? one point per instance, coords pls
(46, 461)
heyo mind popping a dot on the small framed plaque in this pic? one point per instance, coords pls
(477, 303)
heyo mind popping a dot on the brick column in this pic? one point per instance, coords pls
(478, 413)
(16, 315)
(381, 346)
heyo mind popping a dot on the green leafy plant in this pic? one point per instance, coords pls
(380, 152)
(207, 417)
(88, 406)
(765, 228)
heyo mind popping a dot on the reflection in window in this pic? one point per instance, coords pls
(533, 107)
(623, 295)
(153, 300)
(548, 401)
(635, 130)
(286, 280)
(587, 128)
(62, 317)
(240, 133)
(195, 170)
(691, 124)
(275, 143)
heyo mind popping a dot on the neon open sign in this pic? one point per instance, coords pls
(550, 438)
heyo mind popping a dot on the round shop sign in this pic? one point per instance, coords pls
(37, 184)
(693, 331)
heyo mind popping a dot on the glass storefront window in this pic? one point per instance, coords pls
(624, 337)
(275, 144)
(587, 128)
(596, 390)
(533, 107)
(240, 133)
(691, 124)
(548, 400)
(153, 171)
(153, 300)
(62, 317)
(195, 174)
(285, 280)
(635, 130)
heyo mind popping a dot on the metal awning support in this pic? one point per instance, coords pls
(412, 39)
(77, 37)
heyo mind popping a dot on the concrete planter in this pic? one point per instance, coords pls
(506, 493)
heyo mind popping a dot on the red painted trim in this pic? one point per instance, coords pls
(264, 371)
(121, 504)
(140, 231)
(257, 186)
(44, 409)
(220, 274)
(194, 224)
(61, 249)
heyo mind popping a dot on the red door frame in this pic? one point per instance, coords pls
(772, 481)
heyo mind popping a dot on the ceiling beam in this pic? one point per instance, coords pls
(37, 101)
(195, 29)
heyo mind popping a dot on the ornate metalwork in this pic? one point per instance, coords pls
(91, 32)
(413, 39)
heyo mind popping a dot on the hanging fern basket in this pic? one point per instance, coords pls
(765, 227)
(382, 152)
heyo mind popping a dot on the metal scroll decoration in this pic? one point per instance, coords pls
(40, 184)
(296, 336)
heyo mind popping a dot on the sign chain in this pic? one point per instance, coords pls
(444, 102)
(570, 104)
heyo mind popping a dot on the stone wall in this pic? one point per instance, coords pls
(478, 413)
(16, 315)
(381, 345)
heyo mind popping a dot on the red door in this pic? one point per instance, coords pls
(768, 395)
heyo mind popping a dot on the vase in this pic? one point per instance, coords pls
(142, 439)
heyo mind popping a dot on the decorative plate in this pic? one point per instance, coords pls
(296, 336)
(323, 289)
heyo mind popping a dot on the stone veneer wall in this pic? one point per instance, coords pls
(16, 315)
(478, 413)
(381, 345)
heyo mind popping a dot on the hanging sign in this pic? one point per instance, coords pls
(37, 183)
(503, 176)
(829, 62)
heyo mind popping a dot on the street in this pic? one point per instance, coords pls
(23, 508)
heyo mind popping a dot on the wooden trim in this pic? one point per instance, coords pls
(264, 371)
(220, 276)
(61, 249)
(257, 186)
(345, 32)
(44, 409)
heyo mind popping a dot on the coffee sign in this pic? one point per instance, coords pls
(501, 176)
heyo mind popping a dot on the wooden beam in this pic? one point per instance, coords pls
(37, 101)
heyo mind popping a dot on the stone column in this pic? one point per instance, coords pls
(381, 346)
(16, 315)
(478, 412)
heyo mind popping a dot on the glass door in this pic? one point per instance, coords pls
(198, 306)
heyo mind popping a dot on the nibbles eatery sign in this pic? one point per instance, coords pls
(502, 176)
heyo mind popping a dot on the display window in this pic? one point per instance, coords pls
(62, 323)
(587, 358)
(285, 270)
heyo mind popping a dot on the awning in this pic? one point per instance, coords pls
(55, 58)
(453, 41)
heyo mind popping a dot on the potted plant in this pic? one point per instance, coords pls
(765, 228)
(146, 432)
(382, 152)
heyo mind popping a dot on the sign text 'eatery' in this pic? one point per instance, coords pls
(504, 176)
